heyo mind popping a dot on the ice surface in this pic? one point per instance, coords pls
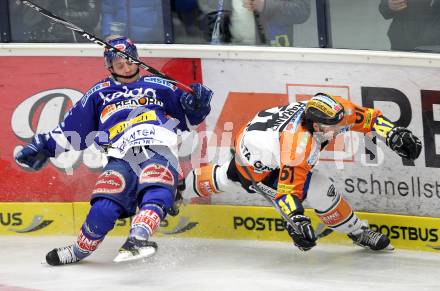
(203, 264)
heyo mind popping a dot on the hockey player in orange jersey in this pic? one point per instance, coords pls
(276, 152)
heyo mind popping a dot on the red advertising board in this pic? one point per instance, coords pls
(36, 92)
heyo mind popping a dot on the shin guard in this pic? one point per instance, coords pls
(146, 222)
(100, 220)
(340, 217)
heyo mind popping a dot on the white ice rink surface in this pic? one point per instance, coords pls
(201, 264)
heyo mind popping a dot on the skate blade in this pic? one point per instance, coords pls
(126, 256)
(389, 248)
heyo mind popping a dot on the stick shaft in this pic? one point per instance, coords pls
(268, 197)
(102, 43)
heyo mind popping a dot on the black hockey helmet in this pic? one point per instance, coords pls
(324, 109)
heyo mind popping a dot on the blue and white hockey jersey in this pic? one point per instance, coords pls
(120, 116)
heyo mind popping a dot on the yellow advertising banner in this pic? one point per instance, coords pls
(36, 218)
(218, 222)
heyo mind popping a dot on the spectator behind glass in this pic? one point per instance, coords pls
(140, 20)
(29, 26)
(415, 23)
(252, 21)
(186, 21)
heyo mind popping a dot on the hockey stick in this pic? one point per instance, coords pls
(103, 44)
(268, 197)
(216, 38)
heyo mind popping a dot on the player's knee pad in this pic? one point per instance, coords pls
(101, 218)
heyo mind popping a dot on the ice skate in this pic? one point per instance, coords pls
(372, 240)
(61, 256)
(134, 249)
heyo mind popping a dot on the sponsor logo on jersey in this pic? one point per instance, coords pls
(109, 182)
(121, 126)
(109, 110)
(314, 155)
(288, 116)
(293, 123)
(368, 118)
(258, 166)
(160, 81)
(156, 173)
(275, 118)
(141, 137)
(128, 93)
(96, 88)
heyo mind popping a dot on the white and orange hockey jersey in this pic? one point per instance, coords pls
(276, 139)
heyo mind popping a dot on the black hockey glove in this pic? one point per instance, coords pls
(304, 238)
(34, 155)
(404, 143)
(178, 199)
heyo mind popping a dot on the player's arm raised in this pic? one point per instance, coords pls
(400, 139)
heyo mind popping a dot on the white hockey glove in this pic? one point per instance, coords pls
(404, 143)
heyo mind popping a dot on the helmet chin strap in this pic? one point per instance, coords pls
(124, 77)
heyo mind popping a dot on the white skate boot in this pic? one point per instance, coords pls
(61, 256)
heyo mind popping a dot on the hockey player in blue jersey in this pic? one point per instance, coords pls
(135, 120)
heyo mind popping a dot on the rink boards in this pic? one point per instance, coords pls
(404, 86)
(215, 221)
